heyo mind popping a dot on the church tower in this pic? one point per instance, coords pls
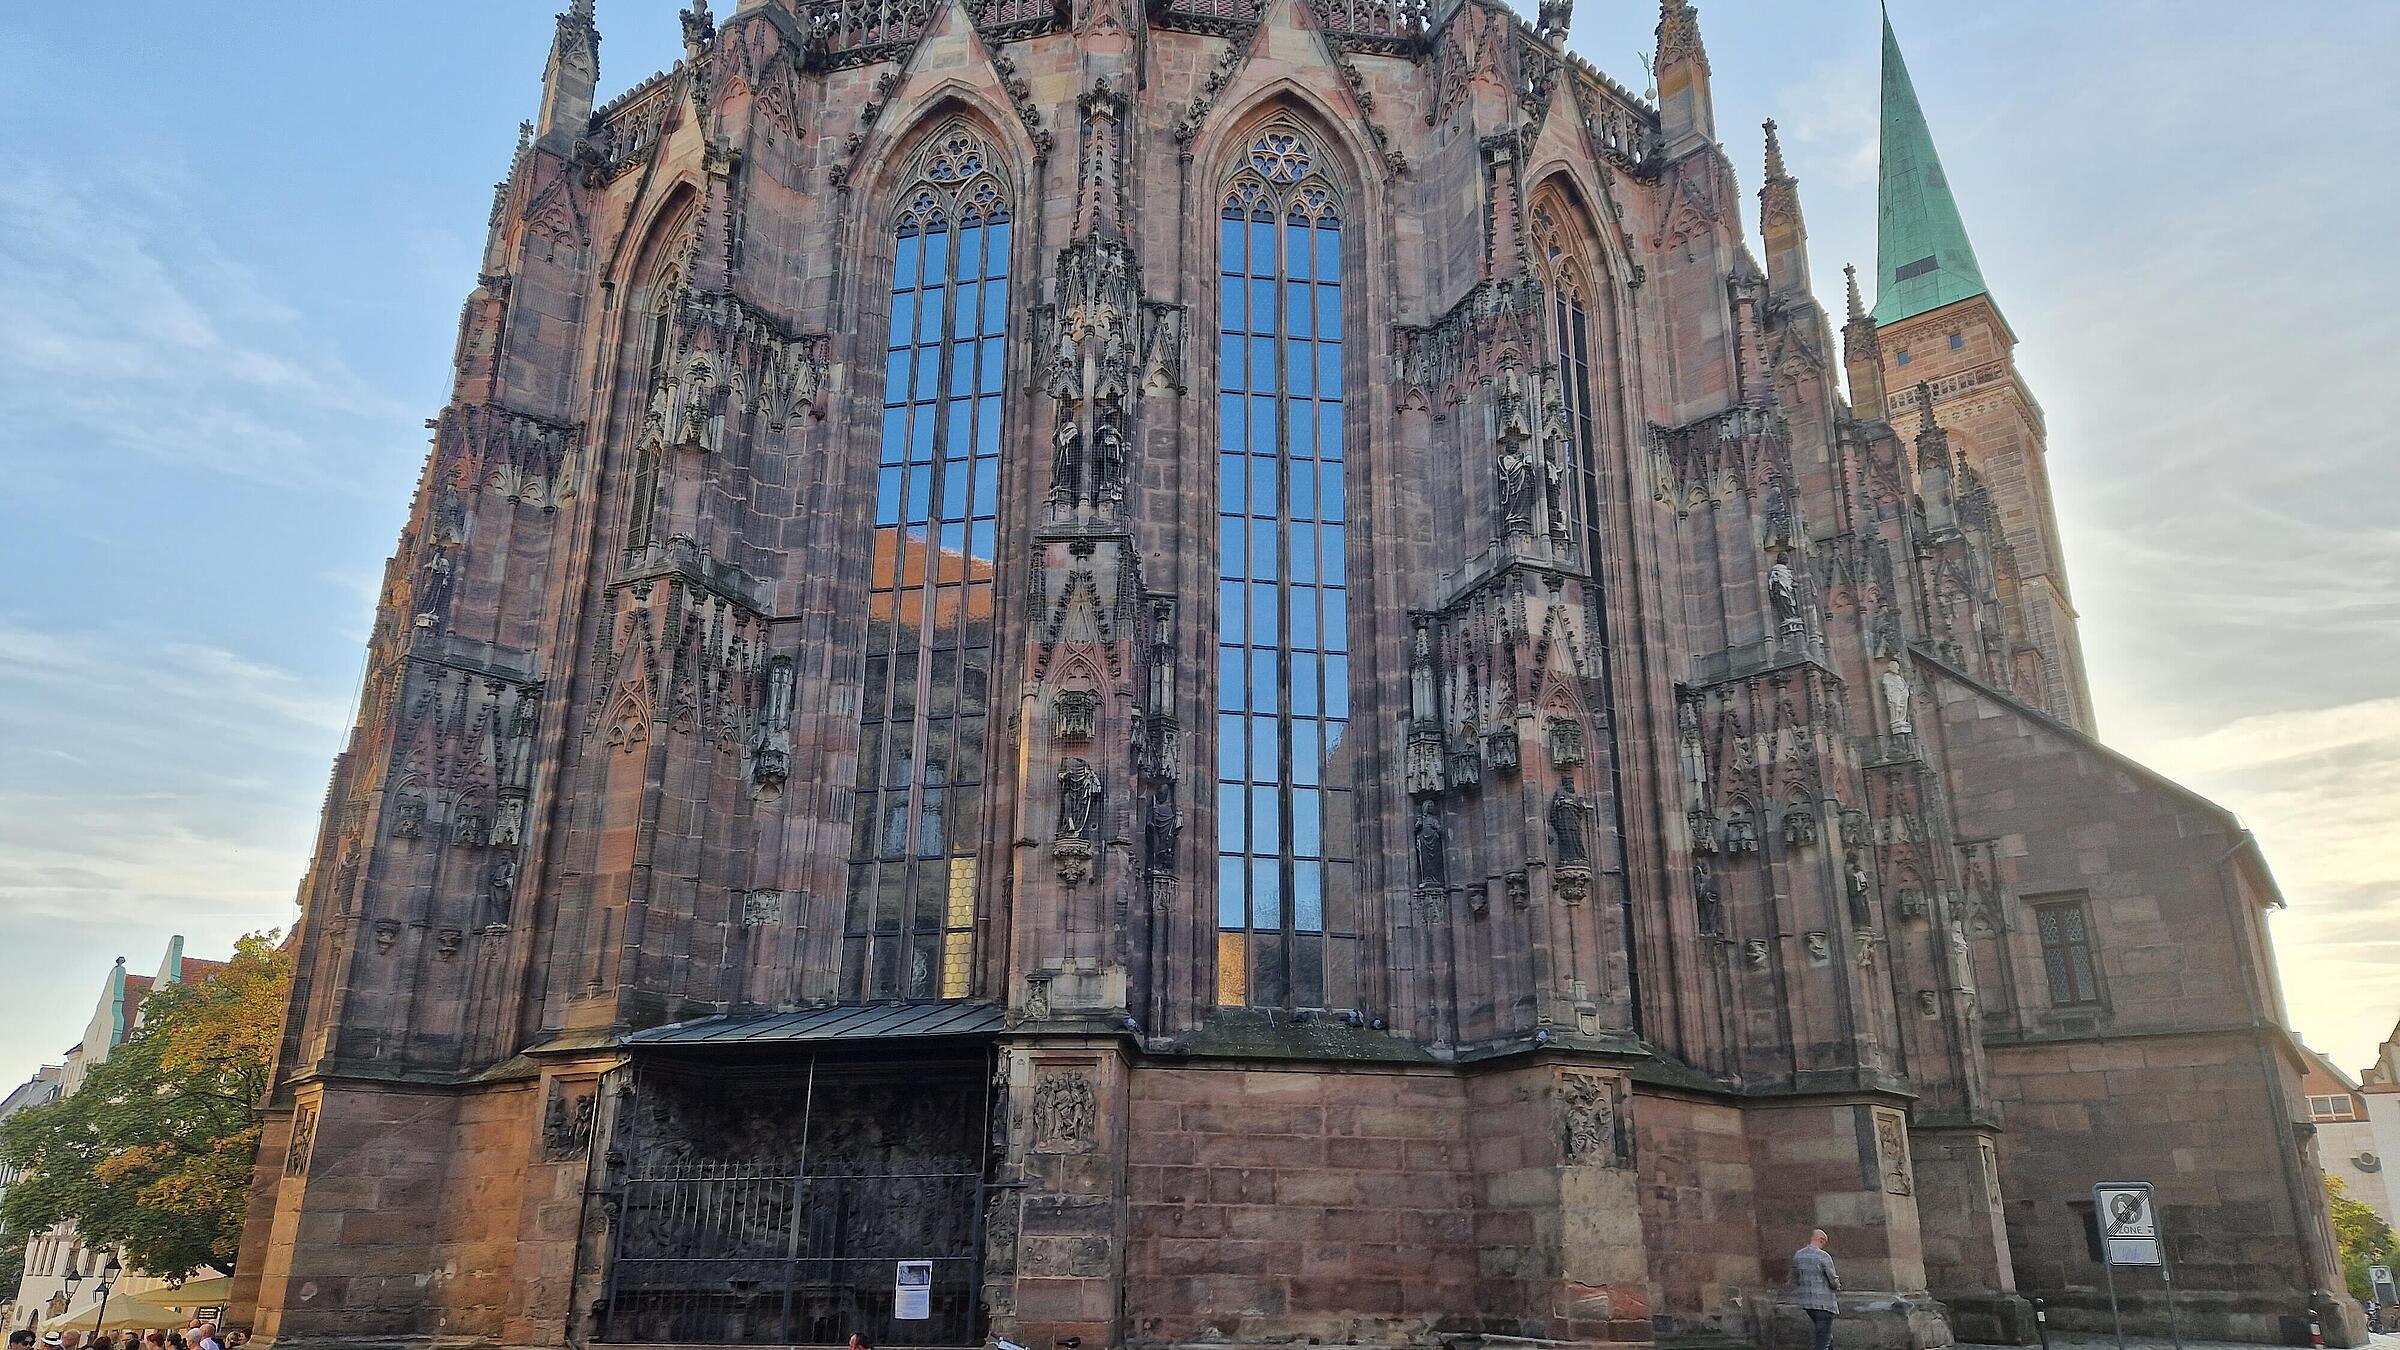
(1942, 335)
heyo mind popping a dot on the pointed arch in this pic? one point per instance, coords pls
(947, 226)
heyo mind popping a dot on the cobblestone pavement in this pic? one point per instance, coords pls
(2382, 1340)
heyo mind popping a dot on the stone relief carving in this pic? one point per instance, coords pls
(297, 1154)
(1589, 1129)
(567, 1121)
(1065, 1114)
(387, 932)
(1076, 713)
(1891, 1147)
(760, 908)
(1754, 953)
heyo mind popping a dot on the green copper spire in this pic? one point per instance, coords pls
(1922, 258)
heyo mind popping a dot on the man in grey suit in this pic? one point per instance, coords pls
(1816, 1286)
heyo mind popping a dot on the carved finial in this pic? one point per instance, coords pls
(699, 27)
(1858, 309)
(1775, 171)
(579, 11)
(1926, 427)
(1554, 18)
(1679, 35)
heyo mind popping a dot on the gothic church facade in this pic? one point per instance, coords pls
(1227, 670)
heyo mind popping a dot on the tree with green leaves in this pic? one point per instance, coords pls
(2360, 1235)
(154, 1150)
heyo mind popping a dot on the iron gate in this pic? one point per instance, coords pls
(769, 1213)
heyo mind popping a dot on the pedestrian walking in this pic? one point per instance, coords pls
(1816, 1287)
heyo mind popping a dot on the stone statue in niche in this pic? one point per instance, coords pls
(504, 879)
(1866, 938)
(1433, 863)
(1066, 461)
(408, 819)
(1962, 959)
(1687, 733)
(1883, 640)
(1570, 827)
(1712, 905)
(1778, 511)
(1065, 1114)
(771, 754)
(1422, 707)
(567, 1124)
(1741, 834)
(1162, 828)
(1073, 844)
(1108, 458)
(1783, 593)
(1077, 713)
(1516, 471)
(1896, 697)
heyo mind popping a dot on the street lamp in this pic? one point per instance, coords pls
(108, 1281)
(72, 1278)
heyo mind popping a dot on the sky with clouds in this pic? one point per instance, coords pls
(234, 240)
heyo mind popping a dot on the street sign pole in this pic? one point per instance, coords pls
(2125, 1215)
(2166, 1267)
(2110, 1269)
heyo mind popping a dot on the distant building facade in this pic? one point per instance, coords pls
(2341, 1115)
(1230, 669)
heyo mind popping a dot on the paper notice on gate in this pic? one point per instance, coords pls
(912, 1291)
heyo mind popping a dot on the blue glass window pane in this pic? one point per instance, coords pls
(1329, 312)
(1229, 478)
(1232, 836)
(904, 318)
(955, 444)
(1298, 310)
(1262, 613)
(1308, 897)
(895, 378)
(1329, 369)
(1304, 751)
(1229, 611)
(1231, 663)
(1337, 686)
(1262, 550)
(920, 493)
(1232, 361)
(1262, 247)
(970, 252)
(1299, 372)
(895, 434)
(954, 493)
(1230, 872)
(983, 544)
(1230, 235)
(1329, 251)
(887, 497)
(1232, 736)
(1266, 820)
(937, 257)
(964, 320)
(987, 487)
(1304, 684)
(987, 427)
(1329, 491)
(904, 263)
(1307, 828)
(1337, 625)
(1264, 696)
(1262, 363)
(1262, 423)
(1304, 618)
(1331, 559)
(929, 371)
(1266, 895)
(1232, 531)
(1229, 422)
(1266, 762)
(1232, 294)
(1329, 430)
(997, 249)
(1334, 731)
(1300, 428)
(1262, 485)
(995, 365)
(1303, 554)
(995, 305)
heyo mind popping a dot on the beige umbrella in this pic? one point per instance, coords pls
(212, 1292)
(124, 1310)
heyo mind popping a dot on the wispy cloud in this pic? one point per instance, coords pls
(122, 324)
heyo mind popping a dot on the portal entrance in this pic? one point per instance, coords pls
(773, 1205)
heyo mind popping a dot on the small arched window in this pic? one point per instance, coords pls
(910, 911)
(1283, 630)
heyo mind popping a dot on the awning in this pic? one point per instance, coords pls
(124, 1310)
(819, 1026)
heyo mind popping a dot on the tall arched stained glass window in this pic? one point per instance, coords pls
(910, 912)
(1283, 628)
(1571, 333)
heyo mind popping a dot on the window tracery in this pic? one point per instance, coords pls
(1284, 862)
(910, 908)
